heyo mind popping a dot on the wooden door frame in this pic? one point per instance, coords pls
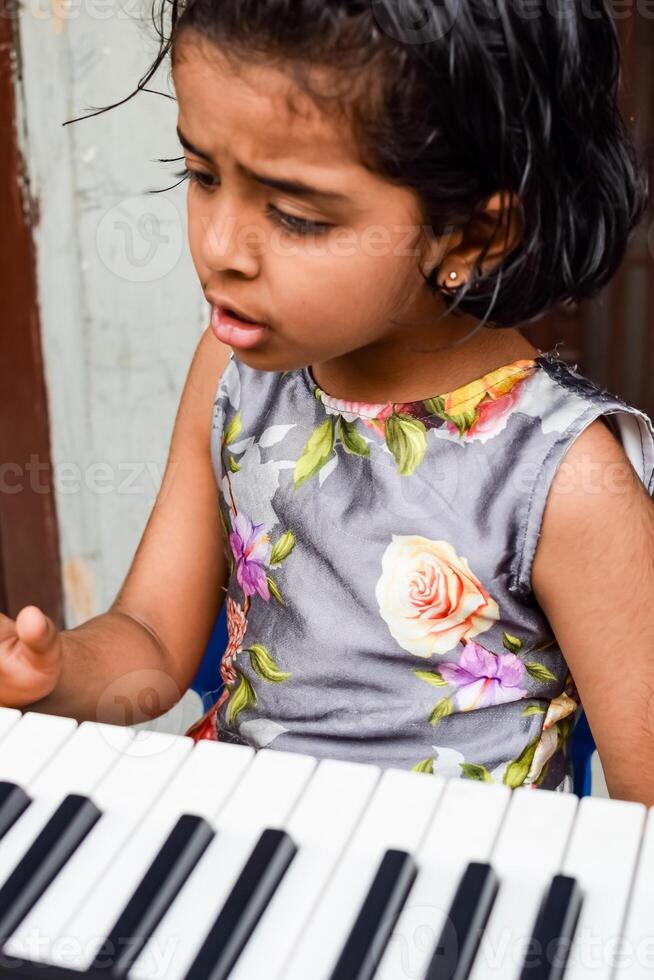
(30, 570)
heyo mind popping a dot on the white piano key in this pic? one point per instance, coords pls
(29, 745)
(455, 837)
(8, 718)
(200, 787)
(79, 765)
(127, 792)
(636, 960)
(602, 856)
(263, 798)
(321, 825)
(397, 817)
(528, 852)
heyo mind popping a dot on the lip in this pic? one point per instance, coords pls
(226, 304)
(236, 333)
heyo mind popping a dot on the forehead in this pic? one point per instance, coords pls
(258, 112)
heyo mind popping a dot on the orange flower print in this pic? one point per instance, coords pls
(207, 726)
(481, 409)
(429, 597)
(237, 625)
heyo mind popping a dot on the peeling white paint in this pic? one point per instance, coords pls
(111, 342)
(80, 589)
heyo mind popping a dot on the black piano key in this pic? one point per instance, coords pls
(153, 896)
(468, 914)
(64, 831)
(244, 906)
(554, 929)
(13, 801)
(375, 922)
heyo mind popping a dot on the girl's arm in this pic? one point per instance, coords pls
(593, 576)
(135, 661)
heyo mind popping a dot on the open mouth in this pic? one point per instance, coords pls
(236, 316)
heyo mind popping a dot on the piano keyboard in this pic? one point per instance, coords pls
(138, 855)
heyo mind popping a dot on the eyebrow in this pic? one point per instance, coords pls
(295, 187)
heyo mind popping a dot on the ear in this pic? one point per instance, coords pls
(460, 250)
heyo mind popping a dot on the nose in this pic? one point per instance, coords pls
(231, 239)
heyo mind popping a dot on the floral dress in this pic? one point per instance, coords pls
(379, 605)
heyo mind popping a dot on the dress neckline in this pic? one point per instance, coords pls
(469, 391)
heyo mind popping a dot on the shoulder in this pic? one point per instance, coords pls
(210, 360)
(571, 454)
(593, 577)
(596, 501)
(209, 364)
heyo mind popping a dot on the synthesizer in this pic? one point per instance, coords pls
(139, 855)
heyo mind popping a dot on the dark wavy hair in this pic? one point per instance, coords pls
(458, 99)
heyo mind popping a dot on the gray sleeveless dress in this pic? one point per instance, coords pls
(379, 605)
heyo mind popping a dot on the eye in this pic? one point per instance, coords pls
(196, 177)
(299, 226)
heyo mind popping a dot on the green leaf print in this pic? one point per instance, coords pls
(274, 591)
(540, 672)
(432, 677)
(512, 643)
(282, 548)
(462, 420)
(442, 710)
(543, 773)
(317, 452)
(225, 521)
(241, 698)
(533, 709)
(435, 406)
(233, 430)
(233, 465)
(516, 771)
(353, 441)
(565, 727)
(426, 765)
(262, 662)
(469, 770)
(406, 438)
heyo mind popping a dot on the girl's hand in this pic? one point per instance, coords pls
(30, 657)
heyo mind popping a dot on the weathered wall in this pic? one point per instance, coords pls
(120, 305)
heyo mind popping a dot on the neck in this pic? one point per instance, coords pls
(391, 371)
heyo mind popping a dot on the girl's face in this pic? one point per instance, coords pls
(331, 270)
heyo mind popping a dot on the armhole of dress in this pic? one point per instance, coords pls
(217, 420)
(635, 432)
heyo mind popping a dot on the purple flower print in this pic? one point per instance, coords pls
(251, 549)
(483, 679)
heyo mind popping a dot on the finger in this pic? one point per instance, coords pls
(36, 630)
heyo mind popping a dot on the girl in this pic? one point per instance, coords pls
(434, 540)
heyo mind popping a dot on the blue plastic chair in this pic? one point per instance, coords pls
(208, 684)
(583, 746)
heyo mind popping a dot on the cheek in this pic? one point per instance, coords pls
(365, 281)
(195, 234)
